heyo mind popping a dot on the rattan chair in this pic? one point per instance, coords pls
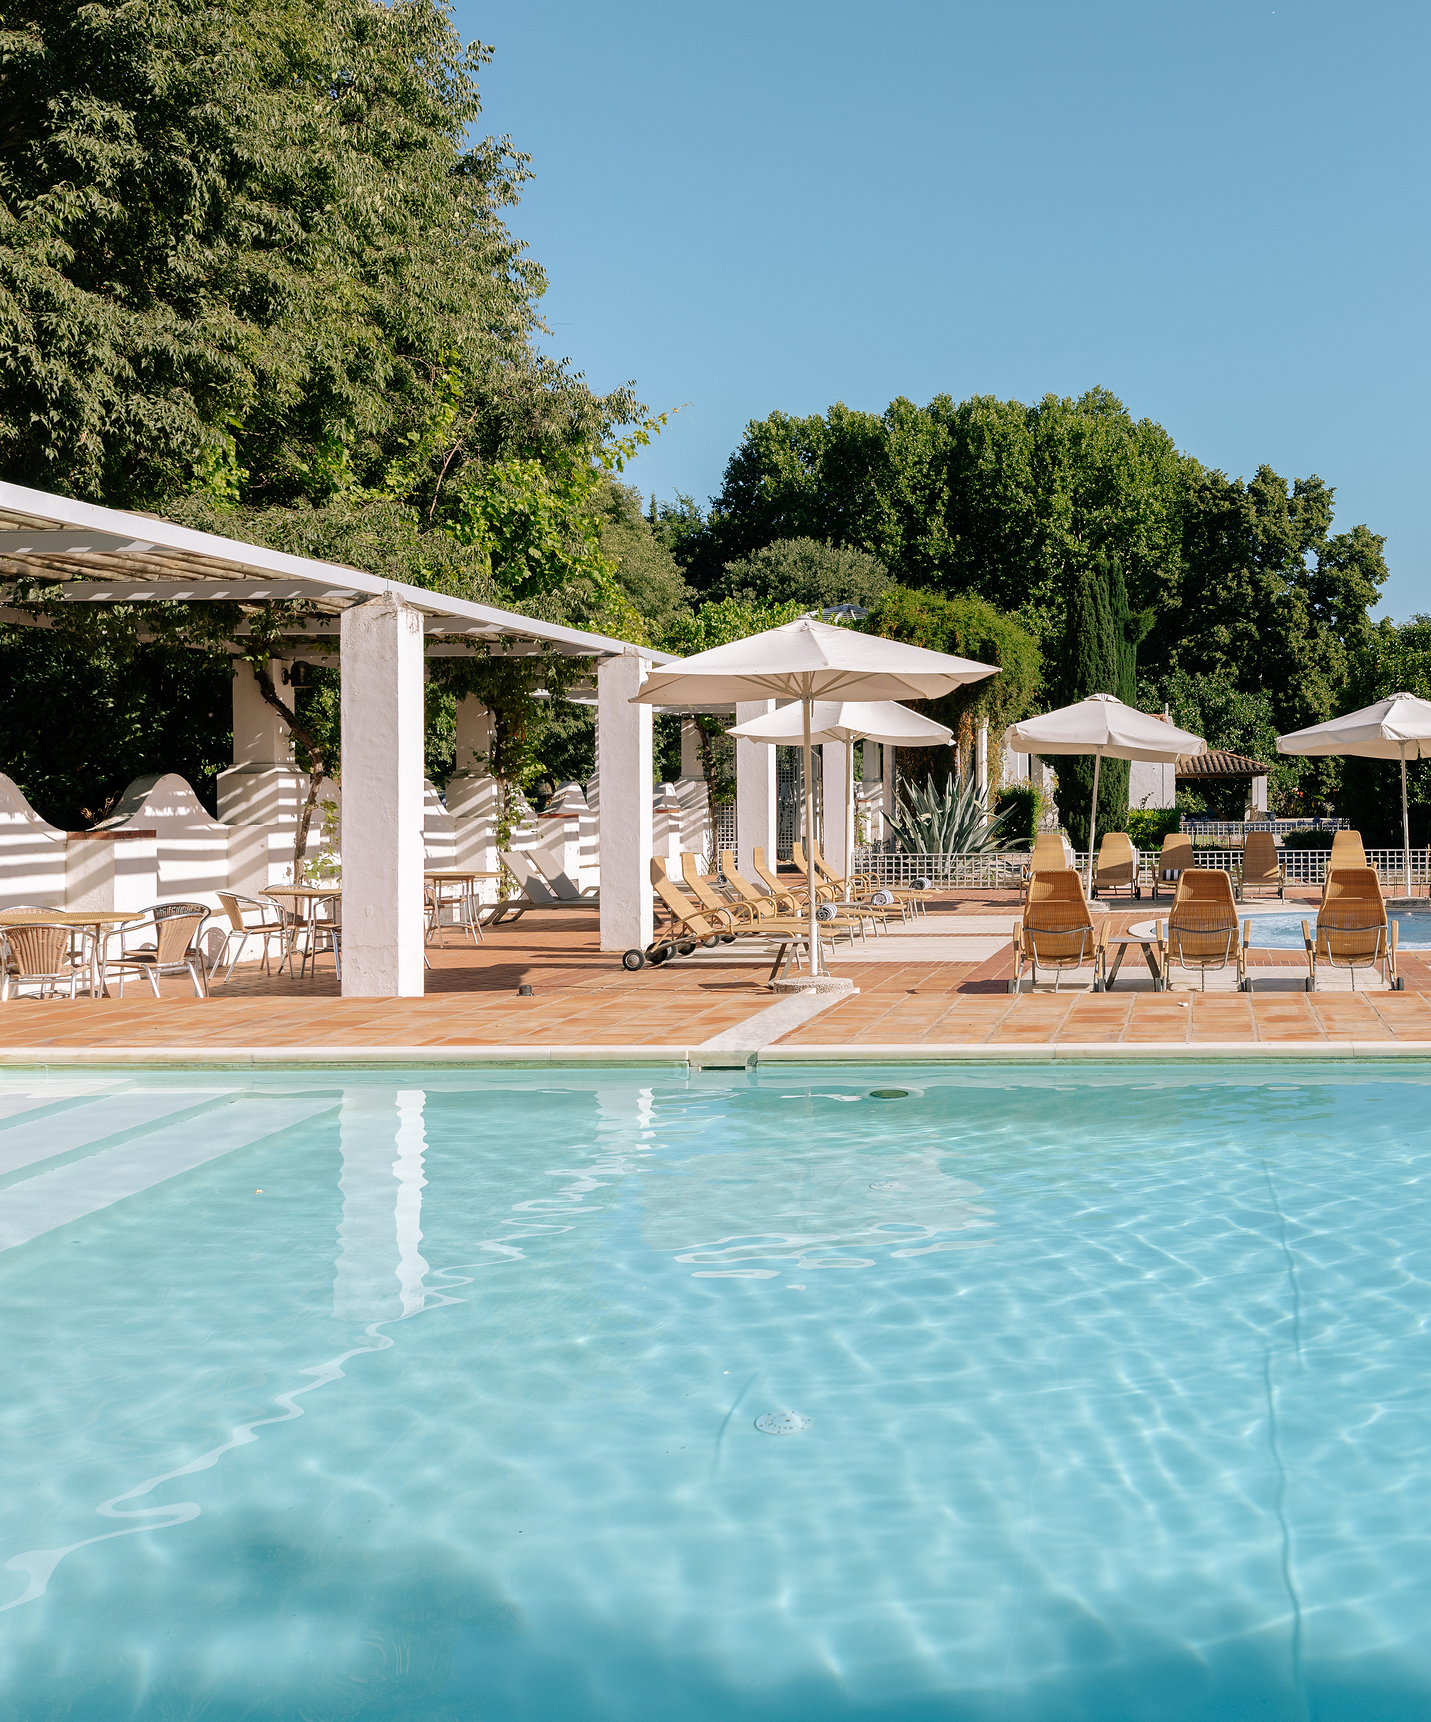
(45, 954)
(1347, 851)
(1118, 865)
(1352, 931)
(1176, 858)
(1202, 930)
(240, 931)
(1056, 931)
(1264, 868)
(176, 928)
(1051, 853)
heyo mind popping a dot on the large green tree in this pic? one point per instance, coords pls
(1090, 664)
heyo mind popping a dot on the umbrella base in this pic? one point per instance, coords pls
(812, 984)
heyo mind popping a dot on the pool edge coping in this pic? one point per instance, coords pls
(697, 1057)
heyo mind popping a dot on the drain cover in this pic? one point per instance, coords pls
(782, 1423)
(888, 1184)
(889, 1094)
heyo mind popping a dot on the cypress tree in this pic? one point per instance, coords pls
(1089, 665)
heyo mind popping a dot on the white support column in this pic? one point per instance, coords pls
(382, 720)
(692, 765)
(473, 793)
(981, 759)
(832, 776)
(624, 762)
(890, 779)
(755, 780)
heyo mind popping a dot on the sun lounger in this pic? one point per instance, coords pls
(1118, 865)
(1176, 858)
(768, 904)
(704, 893)
(824, 891)
(1352, 930)
(1056, 931)
(1202, 931)
(561, 883)
(1051, 853)
(537, 893)
(1347, 851)
(1263, 866)
(906, 898)
(689, 925)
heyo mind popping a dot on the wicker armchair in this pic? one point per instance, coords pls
(1202, 930)
(1352, 930)
(44, 953)
(1057, 931)
(1264, 868)
(175, 949)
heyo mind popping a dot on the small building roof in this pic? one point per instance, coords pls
(1219, 762)
(108, 556)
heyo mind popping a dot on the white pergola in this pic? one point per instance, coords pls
(383, 631)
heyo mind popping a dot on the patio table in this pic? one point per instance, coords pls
(1144, 934)
(302, 912)
(466, 878)
(95, 920)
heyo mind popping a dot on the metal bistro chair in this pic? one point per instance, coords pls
(241, 931)
(44, 953)
(175, 950)
(1202, 931)
(325, 931)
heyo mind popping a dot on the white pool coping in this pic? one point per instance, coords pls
(14, 1059)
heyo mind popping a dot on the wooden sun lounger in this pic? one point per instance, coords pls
(689, 926)
(536, 893)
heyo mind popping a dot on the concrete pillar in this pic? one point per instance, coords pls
(832, 776)
(261, 737)
(624, 761)
(380, 1268)
(382, 720)
(692, 764)
(263, 786)
(890, 779)
(1259, 796)
(755, 781)
(474, 736)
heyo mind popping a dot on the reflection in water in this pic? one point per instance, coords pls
(380, 1231)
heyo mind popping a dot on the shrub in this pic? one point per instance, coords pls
(1310, 838)
(1020, 807)
(1148, 826)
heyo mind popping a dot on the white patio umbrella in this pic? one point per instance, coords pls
(848, 721)
(1103, 726)
(809, 661)
(1398, 727)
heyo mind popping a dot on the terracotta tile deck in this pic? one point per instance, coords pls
(583, 998)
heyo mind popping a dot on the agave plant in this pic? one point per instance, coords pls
(951, 821)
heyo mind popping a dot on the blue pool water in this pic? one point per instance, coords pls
(1282, 932)
(1107, 1397)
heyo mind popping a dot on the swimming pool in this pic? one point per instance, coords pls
(444, 1396)
(1282, 931)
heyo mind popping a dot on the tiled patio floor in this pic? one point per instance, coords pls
(584, 998)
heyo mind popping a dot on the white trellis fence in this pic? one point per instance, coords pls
(1000, 871)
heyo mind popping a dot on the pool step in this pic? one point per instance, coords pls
(56, 1196)
(76, 1131)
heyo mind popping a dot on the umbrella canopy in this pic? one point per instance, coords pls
(1101, 725)
(809, 661)
(1398, 727)
(847, 721)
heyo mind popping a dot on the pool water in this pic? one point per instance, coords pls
(1012, 1396)
(1282, 932)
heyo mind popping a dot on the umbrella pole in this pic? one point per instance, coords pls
(815, 968)
(1093, 821)
(849, 813)
(1405, 824)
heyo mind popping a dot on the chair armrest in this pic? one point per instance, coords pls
(1307, 939)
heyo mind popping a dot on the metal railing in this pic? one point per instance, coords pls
(1001, 871)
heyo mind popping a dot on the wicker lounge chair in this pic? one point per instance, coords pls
(768, 904)
(906, 898)
(825, 892)
(1057, 930)
(1263, 866)
(1352, 930)
(1202, 930)
(704, 893)
(1176, 858)
(1118, 865)
(1347, 851)
(688, 925)
(1051, 853)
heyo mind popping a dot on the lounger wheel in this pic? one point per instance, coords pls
(634, 960)
(727, 938)
(710, 943)
(662, 954)
(1399, 984)
(686, 947)
(1137, 891)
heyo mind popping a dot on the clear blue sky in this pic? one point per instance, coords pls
(1215, 209)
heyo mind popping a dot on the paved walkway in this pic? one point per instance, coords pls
(942, 981)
